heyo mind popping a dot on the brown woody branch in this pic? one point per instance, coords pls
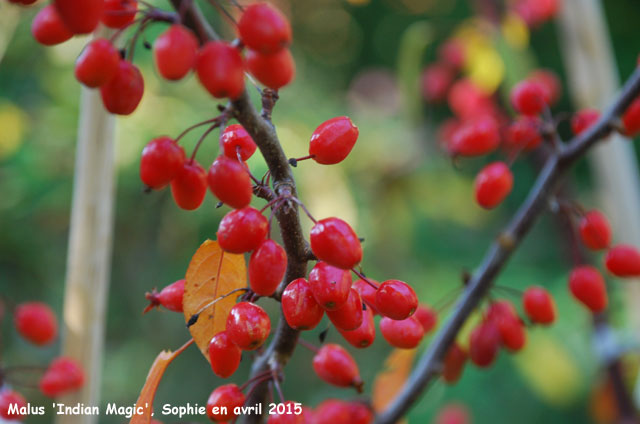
(500, 250)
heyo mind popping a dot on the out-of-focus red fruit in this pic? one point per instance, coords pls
(436, 80)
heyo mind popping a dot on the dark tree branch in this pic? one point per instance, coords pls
(500, 251)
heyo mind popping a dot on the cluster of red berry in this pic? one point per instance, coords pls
(36, 323)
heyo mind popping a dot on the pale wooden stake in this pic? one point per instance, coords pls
(90, 247)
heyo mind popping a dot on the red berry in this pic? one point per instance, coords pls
(335, 242)
(587, 285)
(36, 322)
(289, 415)
(396, 299)
(162, 159)
(170, 297)
(631, 118)
(427, 316)
(119, 13)
(273, 70)
(529, 97)
(367, 293)
(538, 305)
(349, 316)
(220, 69)
(248, 325)
(453, 364)
(242, 230)
(623, 261)
(97, 63)
(230, 182)
(452, 52)
(453, 414)
(80, 16)
(364, 335)
(500, 309)
(329, 285)
(236, 139)
(469, 102)
(476, 137)
(63, 376)
(47, 27)
(299, 307)
(264, 28)
(549, 81)
(360, 413)
(595, 230)
(10, 404)
(523, 135)
(122, 94)
(583, 119)
(512, 332)
(224, 355)
(333, 140)
(335, 365)
(189, 186)
(493, 183)
(223, 401)
(267, 267)
(403, 334)
(436, 80)
(333, 411)
(175, 52)
(484, 344)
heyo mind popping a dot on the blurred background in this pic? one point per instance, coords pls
(361, 58)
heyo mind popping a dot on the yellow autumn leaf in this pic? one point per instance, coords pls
(212, 273)
(389, 381)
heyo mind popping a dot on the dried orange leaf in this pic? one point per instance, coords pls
(212, 273)
(148, 392)
(389, 381)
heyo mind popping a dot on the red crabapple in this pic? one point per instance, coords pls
(333, 140)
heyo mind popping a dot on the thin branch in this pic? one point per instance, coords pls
(500, 250)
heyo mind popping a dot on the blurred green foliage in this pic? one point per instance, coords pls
(414, 209)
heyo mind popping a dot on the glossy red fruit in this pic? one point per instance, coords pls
(36, 322)
(539, 305)
(273, 70)
(189, 186)
(452, 52)
(453, 364)
(242, 230)
(512, 332)
(97, 63)
(64, 375)
(222, 402)
(453, 413)
(360, 413)
(170, 297)
(248, 325)
(631, 118)
(583, 119)
(236, 140)
(364, 335)
(119, 13)
(623, 261)
(80, 16)
(333, 140)
(500, 309)
(267, 267)
(333, 411)
(335, 365)
(10, 404)
(595, 230)
(469, 102)
(587, 285)
(299, 307)
(47, 27)
(396, 299)
(230, 182)
(329, 285)
(290, 414)
(367, 293)
(484, 344)
(476, 137)
(264, 28)
(403, 334)
(335, 242)
(523, 135)
(436, 80)
(162, 159)
(427, 316)
(220, 69)
(549, 82)
(493, 184)
(122, 94)
(349, 316)
(224, 355)
(175, 52)
(529, 97)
